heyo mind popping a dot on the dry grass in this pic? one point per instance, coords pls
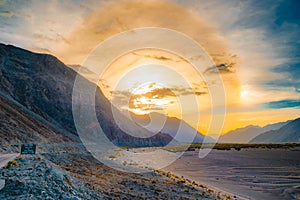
(225, 146)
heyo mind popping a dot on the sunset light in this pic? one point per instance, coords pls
(150, 99)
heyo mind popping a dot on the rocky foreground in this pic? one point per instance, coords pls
(35, 178)
(79, 176)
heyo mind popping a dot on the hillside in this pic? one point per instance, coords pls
(43, 85)
(287, 133)
(18, 126)
(244, 135)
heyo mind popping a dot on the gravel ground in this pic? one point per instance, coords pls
(35, 178)
(79, 176)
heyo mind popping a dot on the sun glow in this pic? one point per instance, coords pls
(154, 80)
(143, 103)
(244, 94)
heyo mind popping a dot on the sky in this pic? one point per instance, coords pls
(254, 44)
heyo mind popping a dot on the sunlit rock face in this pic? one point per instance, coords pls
(44, 85)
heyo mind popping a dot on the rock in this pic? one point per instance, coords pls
(2, 184)
(26, 183)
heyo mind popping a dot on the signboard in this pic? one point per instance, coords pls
(28, 148)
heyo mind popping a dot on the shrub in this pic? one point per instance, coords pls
(11, 164)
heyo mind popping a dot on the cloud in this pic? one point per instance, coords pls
(55, 37)
(124, 98)
(44, 50)
(6, 13)
(289, 77)
(11, 14)
(120, 16)
(2, 2)
(286, 103)
(38, 25)
(159, 93)
(159, 57)
(223, 68)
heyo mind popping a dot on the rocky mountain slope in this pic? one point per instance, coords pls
(19, 126)
(287, 133)
(43, 85)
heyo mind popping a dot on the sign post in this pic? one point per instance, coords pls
(28, 149)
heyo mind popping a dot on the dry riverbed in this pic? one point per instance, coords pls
(250, 173)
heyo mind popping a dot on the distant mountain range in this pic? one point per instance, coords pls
(288, 133)
(171, 127)
(42, 87)
(246, 134)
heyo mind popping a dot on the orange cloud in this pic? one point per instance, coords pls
(121, 16)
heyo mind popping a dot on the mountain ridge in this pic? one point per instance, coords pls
(287, 133)
(246, 134)
(171, 127)
(44, 85)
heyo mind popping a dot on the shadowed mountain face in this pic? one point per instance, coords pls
(43, 85)
(244, 135)
(287, 133)
(18, 126)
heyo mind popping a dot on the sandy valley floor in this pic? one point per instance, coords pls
(252, 173)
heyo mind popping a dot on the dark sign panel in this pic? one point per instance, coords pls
(28, 148)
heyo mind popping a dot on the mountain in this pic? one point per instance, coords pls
(287, 133)
(43, 85)
(19, 126)
(171, 127)
(244, 135)
(84, 71)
